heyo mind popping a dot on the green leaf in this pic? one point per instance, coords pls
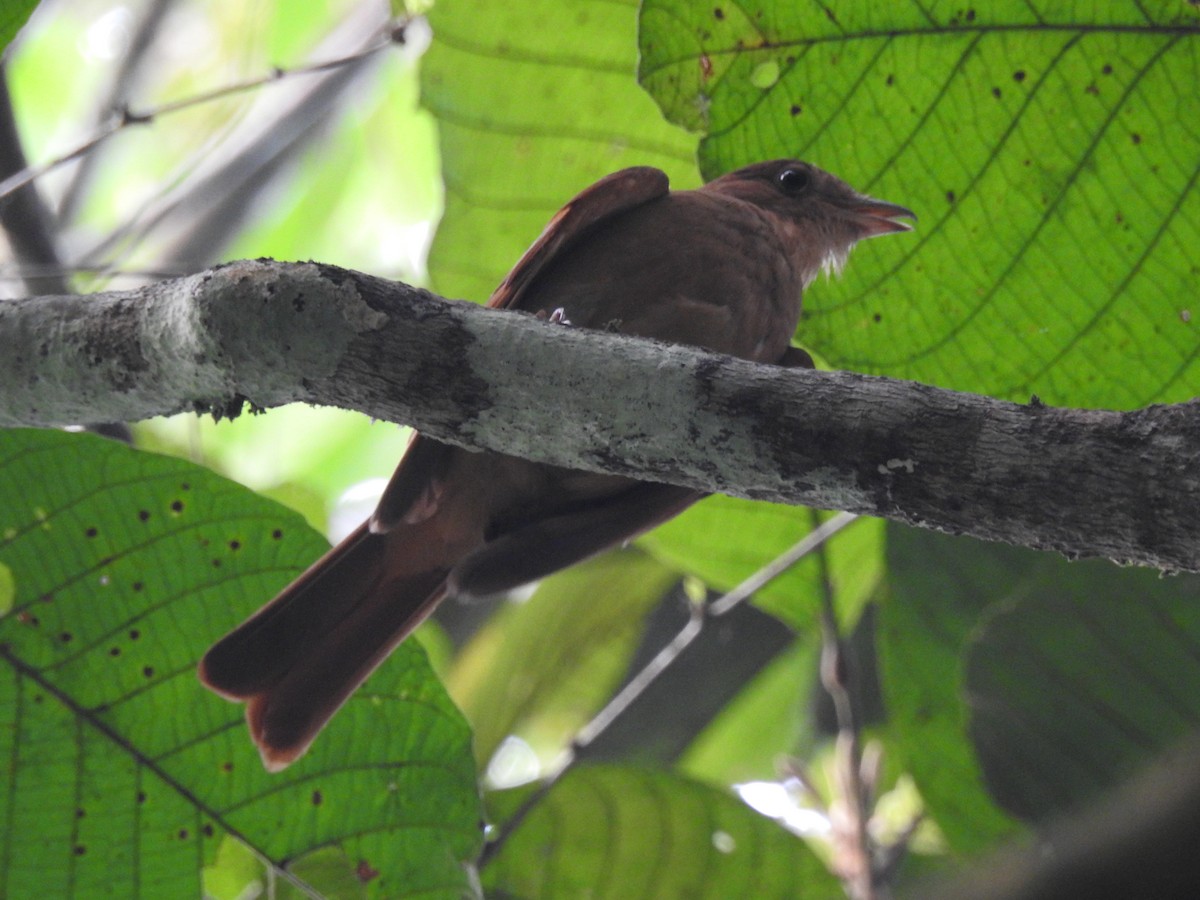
(534, 101)
(124, 774)
(938, 588)
(1035, 681)
(610, 831)
(542, 667)
(1080, 679)
(724, 540)
(13, 16)
(1049, 150)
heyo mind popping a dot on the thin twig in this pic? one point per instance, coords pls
(116, 96)
(640, 683)
(8, 273)
(850, 811)
(126, 117)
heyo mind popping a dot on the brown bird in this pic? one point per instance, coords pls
(722, 268)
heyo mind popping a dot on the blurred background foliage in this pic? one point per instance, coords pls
(1050, 152)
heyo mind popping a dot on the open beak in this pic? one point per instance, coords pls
(875, 217)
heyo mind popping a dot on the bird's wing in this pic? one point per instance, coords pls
(413, 492)
(610, 196)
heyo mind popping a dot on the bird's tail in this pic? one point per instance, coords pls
(298, 659)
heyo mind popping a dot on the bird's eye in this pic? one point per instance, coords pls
(792, 181)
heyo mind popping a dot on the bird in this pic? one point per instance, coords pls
(721, 267)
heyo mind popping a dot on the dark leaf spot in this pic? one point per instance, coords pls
(1019, 75)
(177, 506)
(277, 533)
(148, 671)
(114, 651)
(316, 798)
(365, 871)
(997, 93)
(950, 196)
(183, 834)
(137, 585)
(144, 514)
(65, 637)
(796, 109)
(92, 532)
(79, 850)
(207, 829)
(1136, 138)
(235, 545)
(878, 317)
(890, 80)
(227, 766)
(718, 13)
(134, 634)
(141, 796)
(1106, 69)
(81, 813)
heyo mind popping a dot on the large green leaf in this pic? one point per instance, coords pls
(124, 775)
(1079, 679)
(610, 831)
(1049, 149)
(938, 589)
(1021, 679)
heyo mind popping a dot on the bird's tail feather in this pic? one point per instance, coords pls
(299, 658)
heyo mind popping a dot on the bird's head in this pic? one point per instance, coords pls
(826, 215)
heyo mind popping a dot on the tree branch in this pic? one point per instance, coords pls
(1085, 482)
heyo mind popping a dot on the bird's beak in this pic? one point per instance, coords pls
(875, 217)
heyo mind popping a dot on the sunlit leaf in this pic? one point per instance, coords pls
(724, 540)
(608, 831)
(124, 773)
(1049, 150)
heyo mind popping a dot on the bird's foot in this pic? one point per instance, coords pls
(558, 317)
(795, 358)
